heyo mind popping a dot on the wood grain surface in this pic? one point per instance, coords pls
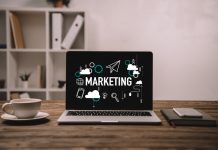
(47, 134)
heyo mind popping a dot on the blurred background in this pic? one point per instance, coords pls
(182, 34)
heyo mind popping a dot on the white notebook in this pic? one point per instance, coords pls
(57, 24)
(187, 112)
(73, 32)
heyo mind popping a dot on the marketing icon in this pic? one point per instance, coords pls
(114, 66)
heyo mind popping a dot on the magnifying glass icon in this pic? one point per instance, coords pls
(114, 95)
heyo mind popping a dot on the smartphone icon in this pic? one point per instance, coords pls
(80, 93)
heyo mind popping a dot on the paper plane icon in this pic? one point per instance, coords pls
(114, 66)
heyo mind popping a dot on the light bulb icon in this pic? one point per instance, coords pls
(104, 95)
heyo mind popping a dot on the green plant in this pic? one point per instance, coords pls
(25, 76)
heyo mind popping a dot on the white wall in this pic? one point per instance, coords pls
(183, 35)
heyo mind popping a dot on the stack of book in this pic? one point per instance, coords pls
(175, 119)
(57, 31)
(18, 95)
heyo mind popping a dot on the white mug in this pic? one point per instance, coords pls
(22, 108)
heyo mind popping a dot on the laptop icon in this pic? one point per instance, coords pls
(109, 87)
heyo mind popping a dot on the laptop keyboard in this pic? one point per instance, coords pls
(107, 113)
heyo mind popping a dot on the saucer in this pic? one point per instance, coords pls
(40, 115)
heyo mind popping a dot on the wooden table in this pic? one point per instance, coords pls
(47, 134)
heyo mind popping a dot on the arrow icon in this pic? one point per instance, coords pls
(114, 66)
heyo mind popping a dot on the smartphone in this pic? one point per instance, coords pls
(187, 112)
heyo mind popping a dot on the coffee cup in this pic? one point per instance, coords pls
(22, 108)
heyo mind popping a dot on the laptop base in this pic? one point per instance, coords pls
(65, 119)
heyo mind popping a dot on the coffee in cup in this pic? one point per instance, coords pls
(22, 108)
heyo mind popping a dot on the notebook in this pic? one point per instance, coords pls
(174, 119)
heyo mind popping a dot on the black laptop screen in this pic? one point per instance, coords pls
(109, 80)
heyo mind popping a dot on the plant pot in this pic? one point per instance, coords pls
(25, 84)
(58, 4)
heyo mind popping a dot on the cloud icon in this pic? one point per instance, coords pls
(86, 71)
(135, 72)
(139, 82)
(132, 67)
(93, 94)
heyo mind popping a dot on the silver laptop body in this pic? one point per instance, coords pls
(107, 87)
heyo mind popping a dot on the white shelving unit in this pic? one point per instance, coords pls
(3, 56)
(36, 26)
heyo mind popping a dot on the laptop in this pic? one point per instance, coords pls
(104, 87)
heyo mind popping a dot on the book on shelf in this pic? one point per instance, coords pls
(40, 76)
(24, 95)
(16, 31)
(73, 32)
(17, 95)
(57, 24)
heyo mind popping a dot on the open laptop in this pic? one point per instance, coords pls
(109, 87)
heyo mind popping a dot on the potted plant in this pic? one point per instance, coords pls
(24, 78)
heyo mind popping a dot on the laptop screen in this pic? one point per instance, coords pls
(106, 80)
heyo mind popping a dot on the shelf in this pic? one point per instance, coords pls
(33, 28)
(32, 94)
(36, 24)
(65, 11)
(27, 50)
(3, 90)
(57, 90)
(25, 62)
(28, 90)
(57, 68)
(57, 51)
(63, 50)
